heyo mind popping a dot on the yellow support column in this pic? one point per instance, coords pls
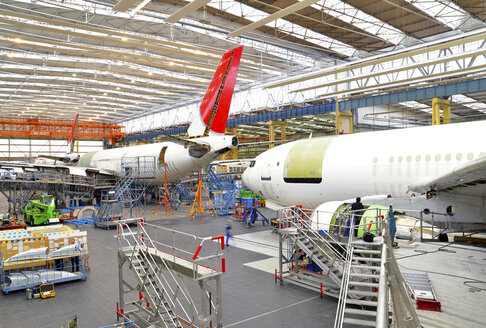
(437, 105)
(272, 134)
(346, 116)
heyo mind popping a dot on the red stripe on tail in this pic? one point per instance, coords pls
(219, 121)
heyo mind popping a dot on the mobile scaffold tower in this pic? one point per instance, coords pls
(124, 200)
(332, 260)
(154, 265)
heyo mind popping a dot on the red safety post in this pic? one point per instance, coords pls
(321, 290)
(141, 224)
(369, 226)
(196, 252)
(301, 214)
(223, 265)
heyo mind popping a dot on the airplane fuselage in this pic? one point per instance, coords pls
(313, 171)
(154, 160)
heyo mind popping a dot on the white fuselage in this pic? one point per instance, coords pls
(363, 164)
(149, 159)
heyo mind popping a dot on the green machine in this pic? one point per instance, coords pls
(41, 211)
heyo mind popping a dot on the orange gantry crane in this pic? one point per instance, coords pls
(49, 128)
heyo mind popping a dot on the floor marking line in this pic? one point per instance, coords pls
(273, 311)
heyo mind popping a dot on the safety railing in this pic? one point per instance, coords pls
(343, 293)
(204, 254)
(404, 314)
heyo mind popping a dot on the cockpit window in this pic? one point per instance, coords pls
(252, 163)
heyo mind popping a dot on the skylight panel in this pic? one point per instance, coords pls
(469, 102)
(361, 20)
(444, 11)
(283, 25)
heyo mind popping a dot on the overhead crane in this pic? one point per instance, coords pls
(49, 128)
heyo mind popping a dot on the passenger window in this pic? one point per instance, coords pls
(417, 158)
(400, 158)
(470, 156)
(458, 156)
(391, 159)
(448, 157)
(427, 158)
(409, 158)
(437, 157)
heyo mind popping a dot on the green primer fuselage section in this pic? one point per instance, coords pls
(297, 170)
(85, 160)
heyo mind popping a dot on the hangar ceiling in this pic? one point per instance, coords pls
(127, 60)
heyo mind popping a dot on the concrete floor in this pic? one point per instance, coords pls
(250, 296)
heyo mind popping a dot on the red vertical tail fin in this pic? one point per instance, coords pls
(214, 109)
(70, 148)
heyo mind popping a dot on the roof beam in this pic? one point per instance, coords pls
(279, 14)
(124, 5)
(186, 10)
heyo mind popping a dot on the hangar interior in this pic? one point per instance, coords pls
(131, 72)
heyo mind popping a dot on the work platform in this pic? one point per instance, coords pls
(160, 296)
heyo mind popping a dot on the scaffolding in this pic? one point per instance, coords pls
(154, 266)
(124, 200)
(224, 190)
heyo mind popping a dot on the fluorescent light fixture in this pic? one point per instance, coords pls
(124, 38)
(140, 6)
(18, 40)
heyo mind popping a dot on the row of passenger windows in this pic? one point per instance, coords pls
(428, 157)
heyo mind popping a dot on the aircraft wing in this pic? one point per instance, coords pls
(74, 170)
(466, 179)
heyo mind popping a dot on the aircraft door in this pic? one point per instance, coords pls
(266, 179)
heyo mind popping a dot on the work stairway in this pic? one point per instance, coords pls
(149, 285)
(185, 194)
(152, 287)
(328, 258)
(358, 299)
(137, 175)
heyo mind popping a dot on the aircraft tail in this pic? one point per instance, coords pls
(70, 147)
(214, 109)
